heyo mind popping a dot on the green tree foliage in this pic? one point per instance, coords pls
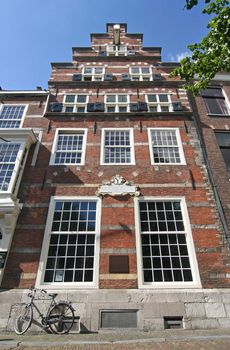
(212, 54)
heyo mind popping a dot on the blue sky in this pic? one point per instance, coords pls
(36, 32)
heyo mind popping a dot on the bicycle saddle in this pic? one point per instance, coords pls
(52, 295)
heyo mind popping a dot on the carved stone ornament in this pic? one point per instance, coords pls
(117, 186)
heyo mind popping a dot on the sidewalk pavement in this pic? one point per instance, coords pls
(173, 339)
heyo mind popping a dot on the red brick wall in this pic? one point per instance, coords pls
(209, 125)
(41, 182)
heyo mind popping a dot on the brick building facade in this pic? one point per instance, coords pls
(110, 203)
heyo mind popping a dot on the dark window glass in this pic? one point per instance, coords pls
(81, 98)
(164, 247)
(215, 101)
(71, 255)
(163, 98)
(70, 98)
(69, 109)
(152, 98)
(223, 139)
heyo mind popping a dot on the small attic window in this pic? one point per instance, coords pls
(117, 50)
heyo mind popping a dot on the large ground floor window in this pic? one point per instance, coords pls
(166, 247)
(70, 247)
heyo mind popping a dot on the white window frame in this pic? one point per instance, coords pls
(117, 104)
(179, 143)
(141, 75)
(14, 105)
(93, 74)
(117, 51)
(18, 166)
(45, 248)
(131, 146)
(158, 103)
(68, 131)
(75, 104)
(196, 283)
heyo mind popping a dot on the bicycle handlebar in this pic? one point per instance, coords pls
(33, 291)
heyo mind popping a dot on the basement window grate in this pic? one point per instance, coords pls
(118, 319)
(173, 322)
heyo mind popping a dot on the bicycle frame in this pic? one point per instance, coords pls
(59, 317)
(44, 318)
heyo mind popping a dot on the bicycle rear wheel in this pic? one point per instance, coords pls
(23, 319)
(61, 318)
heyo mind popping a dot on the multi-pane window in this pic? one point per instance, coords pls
(11, 116)
(215, 101)
(117, 50)
(72, 242)
(165, 146)
(75, 103)
(117, 146)
(164, 248)
(8, 157)
(93, 73)
(140, 73)
(159, 103)
(69, 147)
(223, 139)
(117, 103)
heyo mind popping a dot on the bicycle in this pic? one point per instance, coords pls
(59, 318)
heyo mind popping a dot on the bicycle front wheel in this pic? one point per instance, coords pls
(23, 319)
(61, 318)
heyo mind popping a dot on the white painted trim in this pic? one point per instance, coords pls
(158, 103)
(46, 104)
(35, 155)
(117, 104)
(180, 146)
(227, 102)
(45, 247)
(24, 137)
(75, 104)
(69, 131)
(190, 245)
(93, 74)
(11, 105)
(19, 134)
(140, 74)
(16, 170)
(116, 52)
(131, 146)
(23, 92)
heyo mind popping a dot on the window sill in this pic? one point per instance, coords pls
(125, 114)
(67, 164)
(118, 164)
(169, 164)
(170, 286)
(64, 285)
